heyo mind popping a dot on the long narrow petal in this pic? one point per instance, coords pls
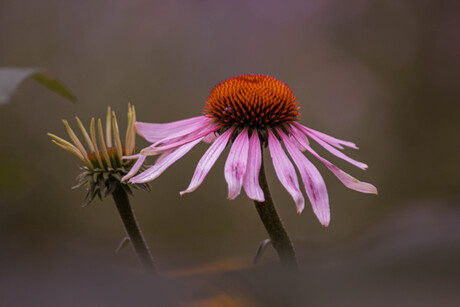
(349, 181)
(154, 150)
(116, 136)
(156, 132)
(251, 179)
(61, 143)
(285, 170)
(235, 166)
(135, 168)
(160, 166)
(207, 161)
(130, 131)
(75, 139)
(313, 181)
(331, 149)
(101, 140)
(327, 138)
(185, 132)
(92, 130)
(108, 128)
(85, 134)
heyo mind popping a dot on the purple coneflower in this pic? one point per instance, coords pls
(251, 111)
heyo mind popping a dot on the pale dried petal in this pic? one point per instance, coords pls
(116, 135)
(104, 148)
(108, 128)
(92, 130)
(85, 134)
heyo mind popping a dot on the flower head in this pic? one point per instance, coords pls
(250, 111)
(103, 165)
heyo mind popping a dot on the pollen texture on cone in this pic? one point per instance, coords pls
(254, 101)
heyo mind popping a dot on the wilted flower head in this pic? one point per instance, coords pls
(103, 166)
(250, 111)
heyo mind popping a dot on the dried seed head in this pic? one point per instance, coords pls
(103, 164)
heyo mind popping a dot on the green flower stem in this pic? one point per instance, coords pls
(274, 225)
(133, 230)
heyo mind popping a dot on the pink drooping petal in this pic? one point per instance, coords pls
(135, 168)
(327, 138)
(207, 161)
(235, 166)
(349, 181)
(210, 137)
(156, 132)
(161, 165)
(251, 179)
(296, 143)
(331, 149)
(164, 155)
(285, 170)
(313, 181)
(184, 133)
(155, 150)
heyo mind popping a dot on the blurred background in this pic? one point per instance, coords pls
(383, 74)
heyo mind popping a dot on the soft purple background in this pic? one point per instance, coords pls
(383, 74)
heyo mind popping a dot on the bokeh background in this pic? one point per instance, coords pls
(384, 74)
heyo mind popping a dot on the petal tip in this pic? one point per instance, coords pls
(260, 199)
(375, 191)
(371, 189)
(134, 180)
(324, 219)
(300, 204)
(186, 192)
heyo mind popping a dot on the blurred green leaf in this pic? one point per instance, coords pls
(54, 85)
(12, 77)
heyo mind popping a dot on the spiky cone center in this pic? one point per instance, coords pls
(253, 101)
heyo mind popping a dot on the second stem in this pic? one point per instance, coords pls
(274, 226)
(133, 230)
